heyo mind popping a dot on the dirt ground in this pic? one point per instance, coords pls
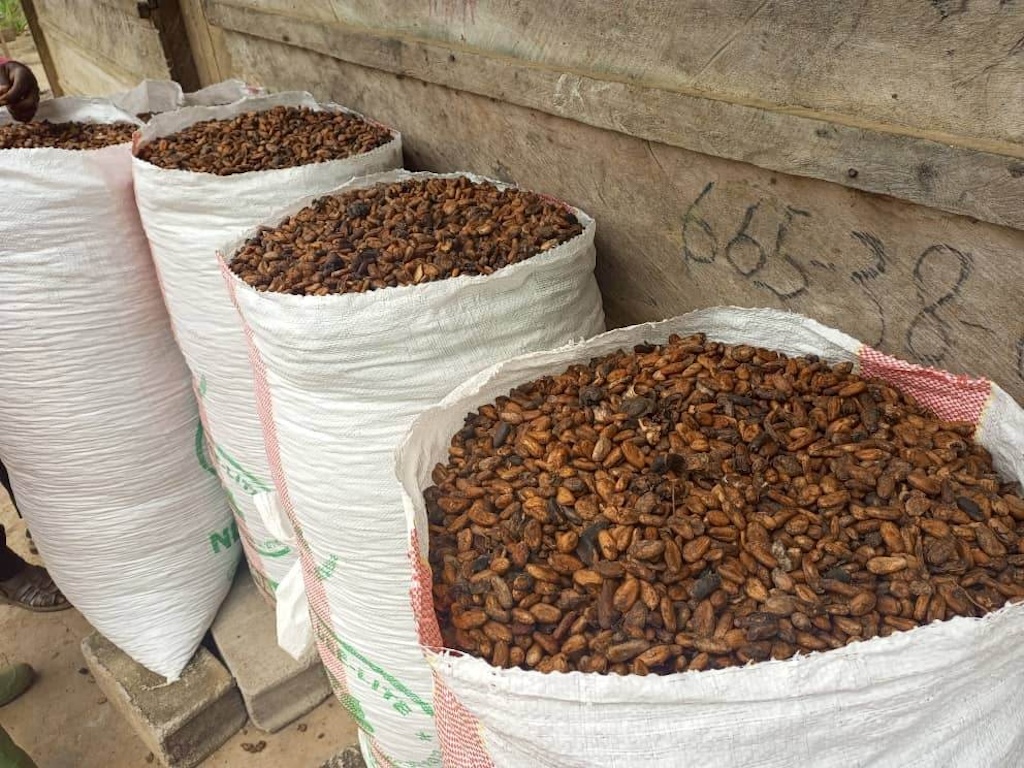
(64, 721)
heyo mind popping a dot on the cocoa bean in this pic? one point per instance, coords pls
(743, 522)
(73, 136)
(282, 137)
(409, 233)
(627, 650)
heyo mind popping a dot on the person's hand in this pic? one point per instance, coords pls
(19, 90)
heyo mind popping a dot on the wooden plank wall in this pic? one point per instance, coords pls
(860, 161)
(103, 46)
(100, 46)
(679, 230)
(209, 49)
(962, 173)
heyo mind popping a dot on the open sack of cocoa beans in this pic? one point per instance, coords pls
(203, 175)
(736, 537)
(98, 425)
(364, 307)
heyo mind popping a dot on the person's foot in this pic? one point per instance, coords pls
(32, 589)
(14, 681)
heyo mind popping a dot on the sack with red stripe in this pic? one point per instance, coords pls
(187, 215)
(949, 693)
(339, 378)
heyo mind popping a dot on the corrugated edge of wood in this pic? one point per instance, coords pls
(976, 178)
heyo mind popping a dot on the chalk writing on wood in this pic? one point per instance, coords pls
(757, 244)
(767, 263)
(930, 334)
(865, 277)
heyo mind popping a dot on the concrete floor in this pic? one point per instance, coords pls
(64, 721)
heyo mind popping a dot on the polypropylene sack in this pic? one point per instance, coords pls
(98, 424)
(156, 96)
(186, 216)
(339, 378)
(224, 92)
(950, 693)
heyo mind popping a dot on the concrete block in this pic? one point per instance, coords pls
(276, 688)
(182, 722)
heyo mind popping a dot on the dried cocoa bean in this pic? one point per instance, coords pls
(746, 519)
(282, 137)
(408, 233)
(75, 136)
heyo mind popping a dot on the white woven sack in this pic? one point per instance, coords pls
(224, 92)
(948, 694)
(187, 216)
(340, 378)
(98, 424)
(157, 96)
(149, 96)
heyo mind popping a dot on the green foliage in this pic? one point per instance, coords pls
(11, 15)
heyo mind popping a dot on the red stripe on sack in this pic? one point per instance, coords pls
(461, 743)
(252, 556)
(203, 420)
(379, 755)
(316, 595)
(244, 536)
(422, 597)
(951, 397)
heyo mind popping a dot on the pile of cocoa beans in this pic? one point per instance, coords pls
(403, 233)
(76, 136)
(695, 505)
(282, 137)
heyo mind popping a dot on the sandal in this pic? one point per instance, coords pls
(34, 590)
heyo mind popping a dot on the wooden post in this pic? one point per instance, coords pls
(29, 7)
(169, 22)
(209, 48)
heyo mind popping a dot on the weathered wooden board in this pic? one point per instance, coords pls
(979, 178)
(82, 74)
(100, 47)
(39, 39)
(173, 33)
(679, 230)
(207, 42)
(948, 65)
